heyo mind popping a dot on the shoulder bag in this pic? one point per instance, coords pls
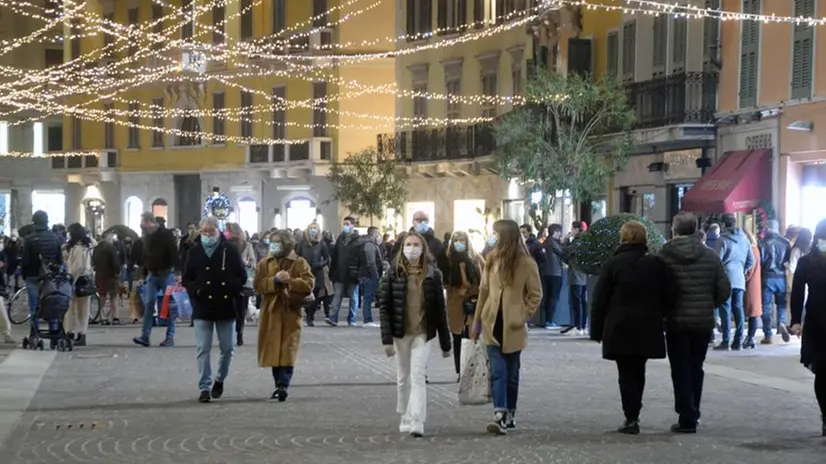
(85, 284)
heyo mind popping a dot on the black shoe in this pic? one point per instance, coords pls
(426, 380)
(680, 428)
(510, 420)
(736, 346)
(749, 344)
(280, 394)
(204, 398)
(80, 340)
(630, 427)
(724, 346)
(310, 323)
(217, 389)
(239, 339)
(71, 336)
(499, 424)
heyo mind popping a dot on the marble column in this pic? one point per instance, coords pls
(73, 198)
(21, 206)
(110, 193)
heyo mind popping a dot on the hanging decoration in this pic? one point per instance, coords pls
(218, 205)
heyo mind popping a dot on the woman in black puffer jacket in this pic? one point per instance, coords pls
(411, 302)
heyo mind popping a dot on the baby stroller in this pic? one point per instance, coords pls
(54, 297)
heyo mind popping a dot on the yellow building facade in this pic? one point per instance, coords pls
(254, 99)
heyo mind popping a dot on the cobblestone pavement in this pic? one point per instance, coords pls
(112, 402)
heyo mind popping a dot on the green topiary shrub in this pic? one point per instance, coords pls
(597, 245)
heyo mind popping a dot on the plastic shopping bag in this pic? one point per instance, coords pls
(474, 381)
(181, 307)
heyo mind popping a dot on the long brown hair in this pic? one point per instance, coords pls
(509, 249)
(401, 262)
(237, 236)
(461, 235)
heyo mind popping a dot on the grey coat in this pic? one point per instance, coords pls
(735, 253)
(701, 282)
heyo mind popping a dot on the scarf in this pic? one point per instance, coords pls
(455, 279)
(210, 250)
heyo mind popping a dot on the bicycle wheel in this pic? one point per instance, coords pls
(18, 308)
(95, 309)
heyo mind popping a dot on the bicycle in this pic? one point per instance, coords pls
(18, 308)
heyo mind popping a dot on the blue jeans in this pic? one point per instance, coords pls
(578, 303)
(156, 284)
(504, 378)
(282, 376)
(369, 286)
(734, 304)
(774, 290)
(341, 289)
(203, 347)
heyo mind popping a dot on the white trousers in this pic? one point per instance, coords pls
(411, 367)
(5, 324)
(77, 317)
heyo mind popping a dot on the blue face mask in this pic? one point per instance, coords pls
(460, 247)
(492, 240)
(347, 228)
(313, 233)
(209, 241)
(266, 241)
(275, 248)
(422, 227)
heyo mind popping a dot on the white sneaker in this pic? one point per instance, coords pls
(372, 324)
(9, 340)
(404, 426)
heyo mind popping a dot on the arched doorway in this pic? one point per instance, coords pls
(301, 212)
(160, 209)
(132, 210)
(94, 208)
(247, 214)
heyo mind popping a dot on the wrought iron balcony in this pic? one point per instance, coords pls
(442, 144)
(689, 97)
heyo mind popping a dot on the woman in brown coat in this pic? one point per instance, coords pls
(284, 280)
(462, 282)
(753, 298)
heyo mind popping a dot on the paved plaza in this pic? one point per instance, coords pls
(113, 402)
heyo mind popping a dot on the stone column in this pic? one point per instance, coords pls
(74, 195)
(110, 193)
(21, 206)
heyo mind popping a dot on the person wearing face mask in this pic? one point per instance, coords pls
(285, 282)
(345, 284)
(365, 266)
(159, 254)
(313, 249)
(462, 284)
(808, 310)
(186, 243)
(412, 309)
(213, 277)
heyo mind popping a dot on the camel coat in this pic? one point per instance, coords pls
(281, 319)
(753, 298)
(456, 318)
(519, 301)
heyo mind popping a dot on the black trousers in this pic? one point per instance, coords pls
(631, 384)
(551, 291)
(241, 313)
(325, 302)
(457, 352)
(820, 389)
(686, 354)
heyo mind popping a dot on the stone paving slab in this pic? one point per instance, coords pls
(113, 402)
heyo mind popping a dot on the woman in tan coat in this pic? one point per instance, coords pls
(284, 280)
(462, 282)
(509, 294)
(753, 298)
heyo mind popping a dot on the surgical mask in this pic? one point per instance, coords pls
(412, 253)
(266, 241)
(275, 248)
(209, 241)
(422, 227)
(821, 245)
(347, 229)
(492, 240)
(314, 233)
(460, 247)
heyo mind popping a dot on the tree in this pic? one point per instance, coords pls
(368, 183)
(572, 135)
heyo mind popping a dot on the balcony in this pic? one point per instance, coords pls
(312, 157)
(438, 145)
(686, 98)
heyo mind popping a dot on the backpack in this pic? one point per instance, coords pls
(354, 252)
(55, 295)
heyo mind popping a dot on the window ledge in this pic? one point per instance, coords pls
(133, 149)
(158, 147)
(185, 147)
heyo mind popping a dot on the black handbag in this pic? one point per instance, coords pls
(85, 286)
(469, 306)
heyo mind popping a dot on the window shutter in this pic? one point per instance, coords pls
(749, 59)
(462, 13)
(411, 17)
(660, 43)
(579, 56)
(629, 47)
(426, 24)
(802, 50)
(711, 34)
(612, 52)
(478, 13)
(679, 37)
(442, 16)
(500, 9)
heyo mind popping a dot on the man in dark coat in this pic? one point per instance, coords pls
(159, 251)
(41, 249)
(551, 273)
(344, 285)
(702, 286)
(213, 277)
(106, 263)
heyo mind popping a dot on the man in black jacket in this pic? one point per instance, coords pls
(551, 273)
(343, 284)
(702, 286)
(775, 253)
(41, 249)
(159, 252)
(369, 272)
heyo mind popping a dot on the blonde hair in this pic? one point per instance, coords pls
(461, 235)
(634, 232)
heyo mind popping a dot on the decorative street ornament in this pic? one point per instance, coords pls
(219, 205)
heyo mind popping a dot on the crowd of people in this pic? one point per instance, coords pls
(645, 306)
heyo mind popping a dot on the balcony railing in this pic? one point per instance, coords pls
(689, 97)
(443, 144)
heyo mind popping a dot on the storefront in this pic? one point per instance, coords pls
(803, 165)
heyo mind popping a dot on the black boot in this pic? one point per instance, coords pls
(749, 344)
(81, 340)
(630, 427)
(239, 339)
(279, 394)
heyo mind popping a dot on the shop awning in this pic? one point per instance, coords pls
(739, 182)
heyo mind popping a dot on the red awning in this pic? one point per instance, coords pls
(739, 182)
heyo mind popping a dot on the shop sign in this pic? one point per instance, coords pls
(682, 164)
(759, 141)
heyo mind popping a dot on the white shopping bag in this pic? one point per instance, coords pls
(474, 380)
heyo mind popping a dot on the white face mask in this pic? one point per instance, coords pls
(821, 245)
(412, 253)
